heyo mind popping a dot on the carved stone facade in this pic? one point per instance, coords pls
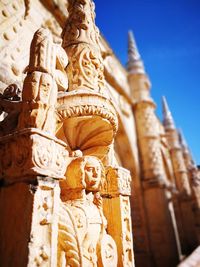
(89, 175)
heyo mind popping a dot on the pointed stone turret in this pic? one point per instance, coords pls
(168, 121)
(180, 162)
(185, 147)
(189, 160)
(135, 63)
(153, 176)
(182, 140)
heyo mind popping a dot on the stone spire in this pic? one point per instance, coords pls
(182, 140)
(135, 63)
(185, 148)
(168, 121)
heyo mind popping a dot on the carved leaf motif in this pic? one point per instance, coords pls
(81, 42)
(43, 155)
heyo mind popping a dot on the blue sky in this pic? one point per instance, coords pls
(167, 33)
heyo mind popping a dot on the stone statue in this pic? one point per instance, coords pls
(45, 76)
(83, 203)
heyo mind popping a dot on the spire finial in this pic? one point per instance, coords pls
(135, 64)
(168, 121)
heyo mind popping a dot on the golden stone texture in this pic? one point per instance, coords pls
(86, 167)
(57, 130)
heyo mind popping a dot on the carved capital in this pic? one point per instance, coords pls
(118, 182)
(31, 152)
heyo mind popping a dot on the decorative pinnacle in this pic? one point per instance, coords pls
(135, 64)
(168, 121)
(184, 146)
(183, 141)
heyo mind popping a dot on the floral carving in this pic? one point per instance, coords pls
(32, 152)
(81, 42)
(85, 68)
(80, 26)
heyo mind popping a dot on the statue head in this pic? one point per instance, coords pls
(93, 172)
(84, 173)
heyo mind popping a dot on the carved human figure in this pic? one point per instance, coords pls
(84, 176)
(45, 75)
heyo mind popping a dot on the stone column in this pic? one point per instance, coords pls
(184, 197)
(154, 180)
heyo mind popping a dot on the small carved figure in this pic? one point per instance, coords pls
(12, 92)
(10, 107)
(80, 194)
(45, 75)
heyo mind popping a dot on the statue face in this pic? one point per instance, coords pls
(45, 88)
(92, 175)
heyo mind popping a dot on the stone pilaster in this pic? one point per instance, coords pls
(116, 194)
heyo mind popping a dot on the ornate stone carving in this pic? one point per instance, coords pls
(12, 92)
(31, 152)
(10, 106)
(81, 42)
(86, 120)
(86, 105)
(43, 237)
(115, 192)
(90, 244)
(44, 74)
(118, 182)
(128, 258)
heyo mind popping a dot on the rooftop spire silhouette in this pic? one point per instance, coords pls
(135, 63)
(168, 121)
